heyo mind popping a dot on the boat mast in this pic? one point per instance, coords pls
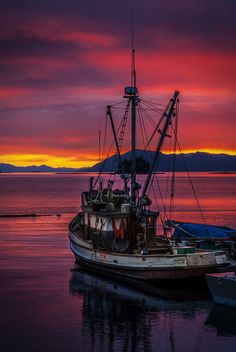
(131, 93)
(133, 134)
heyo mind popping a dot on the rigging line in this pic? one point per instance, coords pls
(148, 156)
(117, 131)
(160, 142)
(168, 173)
(155, 130)
(116, 108)
(175, 130)
(119, 103)
(103, 164)
(155, 178)
(162, 113)
(146, 145)
(112, 173)
(99, 147)
(157, 204)
(104, 139)
(170, 184)
(141, 116)
(142, 127)
(107, 155)
(146, 109)
(121, 128)
(192, 186)
(150, 107)
(148, 116)
(123, 124)
(101, 167)
(145, 131)
(152, 102)
(167, 182)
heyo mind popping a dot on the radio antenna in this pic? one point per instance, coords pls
(133, 71)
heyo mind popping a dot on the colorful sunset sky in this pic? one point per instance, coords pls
(62, 61)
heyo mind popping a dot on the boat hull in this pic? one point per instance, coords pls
(223, 288)
(144, 267)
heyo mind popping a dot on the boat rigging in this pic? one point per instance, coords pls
(115, 233)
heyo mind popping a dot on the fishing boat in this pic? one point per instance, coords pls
(223, 288)
(115, 233)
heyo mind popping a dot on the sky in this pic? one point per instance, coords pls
(62, 62)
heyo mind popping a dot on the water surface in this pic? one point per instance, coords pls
(48, 306)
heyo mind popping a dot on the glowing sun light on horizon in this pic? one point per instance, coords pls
(84, 161)
(49, 160)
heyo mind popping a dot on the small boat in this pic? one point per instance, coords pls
(115, 234)
(223, 288)
(206, 236)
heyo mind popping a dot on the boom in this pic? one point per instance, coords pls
(169, 116)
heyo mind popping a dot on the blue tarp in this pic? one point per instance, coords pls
(187, 230)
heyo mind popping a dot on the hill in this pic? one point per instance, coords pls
(195, 162)
(34, 168)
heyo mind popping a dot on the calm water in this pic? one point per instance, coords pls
(47, 306)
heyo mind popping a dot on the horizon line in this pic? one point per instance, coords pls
(69, 163)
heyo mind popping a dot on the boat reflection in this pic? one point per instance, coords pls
(119, 317)
(223, 320)
(183, 290)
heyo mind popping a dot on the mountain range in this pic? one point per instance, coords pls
(198, 161)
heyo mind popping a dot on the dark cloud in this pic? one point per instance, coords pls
(21, 46)
(62, 61)
(203, 21)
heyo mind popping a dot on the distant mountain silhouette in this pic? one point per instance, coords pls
(194, 161)
(198, 161)
(34, 168)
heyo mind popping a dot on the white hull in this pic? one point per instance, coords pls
(146, 267)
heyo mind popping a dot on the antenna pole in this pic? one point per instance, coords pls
(133, 148)
(133, 99)
(133, 70)
(132, 94)
(132, 48)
